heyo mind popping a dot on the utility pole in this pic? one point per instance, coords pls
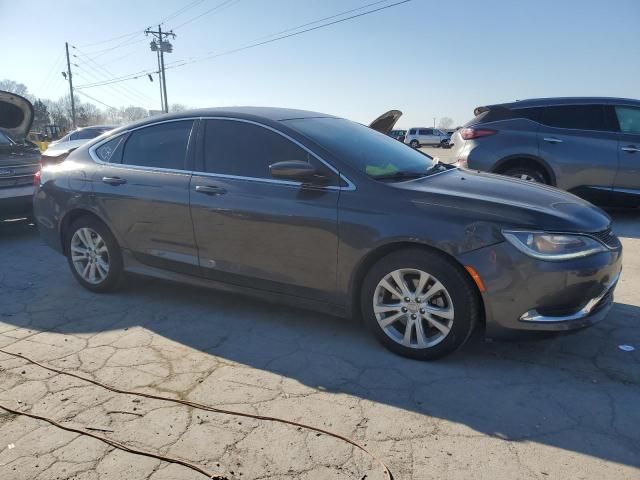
(69, 77)
(161, 46)
(160, 82)
(434, 122)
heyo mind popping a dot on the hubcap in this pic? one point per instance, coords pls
(413, 308)
(89, 255)
(527, 177)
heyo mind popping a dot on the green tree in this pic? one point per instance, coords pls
(40, 115)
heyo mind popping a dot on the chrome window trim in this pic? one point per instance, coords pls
(92, 153)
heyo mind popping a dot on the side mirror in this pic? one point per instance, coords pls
(295, 170)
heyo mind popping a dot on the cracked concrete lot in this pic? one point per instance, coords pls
(565, 407)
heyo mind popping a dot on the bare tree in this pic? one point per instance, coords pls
(14, 87)
(445, 123)
(177, 107)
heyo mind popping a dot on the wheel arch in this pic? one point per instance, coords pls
(525, 159)
(73, 215)
(382, 251)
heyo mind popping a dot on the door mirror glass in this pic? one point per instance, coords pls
(295, 170)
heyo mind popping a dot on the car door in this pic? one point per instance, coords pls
(425, 135)
(580, 145)
(141, 186)
(626, 188)
(256, 231)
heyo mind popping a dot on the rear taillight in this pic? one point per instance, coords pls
(36, 176)
(471, 133)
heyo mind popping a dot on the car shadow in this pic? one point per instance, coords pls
(626, 222)
(578, 392)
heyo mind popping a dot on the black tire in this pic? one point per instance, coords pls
(530, 173)
(463, 294)
(414, 144)
(115, 273)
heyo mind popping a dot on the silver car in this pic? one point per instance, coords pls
(416, 137)
(588, 146)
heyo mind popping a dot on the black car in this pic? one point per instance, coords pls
(318, 211)
(19, 157)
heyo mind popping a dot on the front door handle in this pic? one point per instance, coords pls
(630, 149)
(210, 190)
(114, 180)
(552, 140)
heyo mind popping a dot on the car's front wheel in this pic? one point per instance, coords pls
(530, 174)
(419, 304)
(93, 255)
(414, 144)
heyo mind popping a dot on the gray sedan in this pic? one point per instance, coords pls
(321, 212)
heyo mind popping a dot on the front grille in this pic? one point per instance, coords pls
(608, 238)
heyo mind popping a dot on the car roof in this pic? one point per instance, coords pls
(541, 102)
(259, 114)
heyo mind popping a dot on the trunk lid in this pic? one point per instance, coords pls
(16, 115)
(385, 122)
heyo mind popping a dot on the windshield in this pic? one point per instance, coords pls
(371, 152)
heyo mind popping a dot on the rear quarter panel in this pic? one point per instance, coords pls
(515, 138)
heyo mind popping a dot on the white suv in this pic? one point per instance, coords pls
(417, 137)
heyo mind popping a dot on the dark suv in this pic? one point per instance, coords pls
(589, 146)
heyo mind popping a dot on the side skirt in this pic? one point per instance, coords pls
(131, 265)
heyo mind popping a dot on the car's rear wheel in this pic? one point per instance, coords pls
(530, 174)
(93, 255)
(419, 304)
(414, 144)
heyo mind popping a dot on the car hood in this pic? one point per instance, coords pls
(16, 114)
(509, 201)
(385, 122)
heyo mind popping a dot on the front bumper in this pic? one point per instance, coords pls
(522, 293)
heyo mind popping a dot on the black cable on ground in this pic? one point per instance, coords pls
(199, 406)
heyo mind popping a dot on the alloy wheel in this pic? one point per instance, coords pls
(89, 255)
(413, 308)
(527, 177)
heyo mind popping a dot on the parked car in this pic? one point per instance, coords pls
(325, 213)
(588, 146)
(19, 157)
(58, 150)
(398, 135)
(426, 136)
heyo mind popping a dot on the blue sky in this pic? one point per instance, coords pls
(428, 59)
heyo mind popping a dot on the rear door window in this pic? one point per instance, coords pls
(628, 119)
(576, 117)
(159, 146)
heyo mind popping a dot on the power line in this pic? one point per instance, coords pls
(123, 95)
(180, 11)
(95, 100)
(131, 34)
(213, 54)
(107, 72)
(322, 19)
(224, 3)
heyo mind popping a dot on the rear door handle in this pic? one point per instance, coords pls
(552, 140)
(210, 190)
(630, 149)
(114, 180)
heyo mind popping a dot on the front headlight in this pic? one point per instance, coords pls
(553, 246)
